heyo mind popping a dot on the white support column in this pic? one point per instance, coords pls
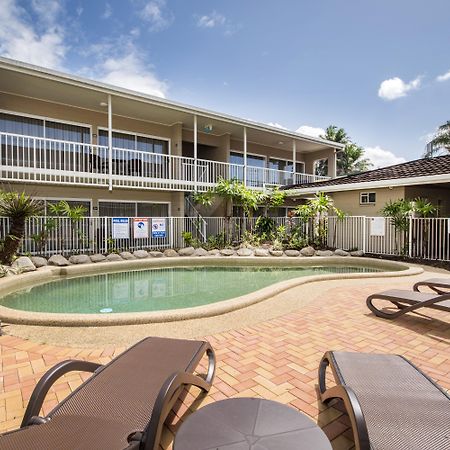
(294, 160)
(245, 156)
(110, 158)
(195, 152)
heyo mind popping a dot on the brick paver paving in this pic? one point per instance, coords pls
(277, 359)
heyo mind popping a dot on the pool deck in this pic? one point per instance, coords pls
(273, 355)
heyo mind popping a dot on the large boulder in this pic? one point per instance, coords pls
(244, 252)
(114, 257)
(170, 252)
(200, 252)
(98, 258)
(187, 251)
(79, 259)
(227, 252)
(214, 252)
(261, 252)
(357, 253)
(324, 253)
(276, 252)
(127, 255)
(39, 261)
(156, 254)
(140, 254)
(340, 252)
(292, 253)
(307, 251)
(58, 260)
(23, 264)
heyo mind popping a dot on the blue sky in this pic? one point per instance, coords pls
(380, 69)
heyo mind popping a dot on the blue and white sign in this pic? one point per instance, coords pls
(140, 227)
(120, 228)
(158, 228)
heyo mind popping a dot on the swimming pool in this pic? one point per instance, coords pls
(158, 289)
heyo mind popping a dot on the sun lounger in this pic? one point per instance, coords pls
(391, 404)
(407, 301)
(438, 285)
(122, 406)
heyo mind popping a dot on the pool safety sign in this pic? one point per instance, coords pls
(158, 228)
(377, 226)
(120, 228)
(140, 227)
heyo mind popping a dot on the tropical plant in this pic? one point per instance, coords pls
(189, 240)
(230, 191)
(441, 140)
(18, 207)
(423, 208)
(61, 209)
(265, 226)
(350, 159)
(317, 210)
(203, 198)
(399, 212)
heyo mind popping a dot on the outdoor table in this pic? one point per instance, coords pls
(249, 424)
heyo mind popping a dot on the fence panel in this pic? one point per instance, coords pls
(423, 238)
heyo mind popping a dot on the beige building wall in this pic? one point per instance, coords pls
(94, 119)
(175, 199)
(439, 196)
(349, 201)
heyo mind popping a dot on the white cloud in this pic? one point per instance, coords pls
(277, 125)
(381, 158)
(155, 13)
(394, 88)
(212, 20)
(444, 77)
(107, 12)
(310, 131)
(41, 42)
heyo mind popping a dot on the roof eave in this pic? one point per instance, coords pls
(411, 181)
(74, 80)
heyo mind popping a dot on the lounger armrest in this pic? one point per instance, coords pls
(348, 396)
(46, 382)
(168, 395)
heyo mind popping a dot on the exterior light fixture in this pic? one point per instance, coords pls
(103, 104)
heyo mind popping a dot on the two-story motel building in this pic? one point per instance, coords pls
(124, 153)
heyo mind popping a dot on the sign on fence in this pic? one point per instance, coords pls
(158, 228)
(377, 227)
(140, 227)
(120, 228)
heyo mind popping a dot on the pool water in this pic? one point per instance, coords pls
(157, 289)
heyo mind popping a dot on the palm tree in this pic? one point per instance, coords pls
(441, 140)
(335, 134)
(18, 207)
(350, 158)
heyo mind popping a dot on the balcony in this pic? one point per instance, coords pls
(39, 160)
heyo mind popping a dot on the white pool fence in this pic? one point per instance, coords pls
(422, 238)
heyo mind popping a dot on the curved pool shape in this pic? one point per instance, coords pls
(158, 289)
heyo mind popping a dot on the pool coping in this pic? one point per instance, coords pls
(52, 273)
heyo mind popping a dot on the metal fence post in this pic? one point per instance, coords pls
(364, 234)
(410, 230)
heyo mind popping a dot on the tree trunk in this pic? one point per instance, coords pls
(12, 241)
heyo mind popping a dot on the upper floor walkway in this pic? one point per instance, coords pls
(41, 160)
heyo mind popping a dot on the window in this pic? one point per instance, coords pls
(367, 198)
(28, 126)
(132, 141)
(252, 160)
(133, 209)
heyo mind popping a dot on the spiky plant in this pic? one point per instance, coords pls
(18, 207)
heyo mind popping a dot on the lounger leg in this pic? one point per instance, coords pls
(46, 382)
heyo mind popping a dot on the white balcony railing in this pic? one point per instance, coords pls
(35, 159)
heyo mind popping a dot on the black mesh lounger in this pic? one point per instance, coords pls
(392, 405)
(122, 406)
(407, 301)
(438, 285)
